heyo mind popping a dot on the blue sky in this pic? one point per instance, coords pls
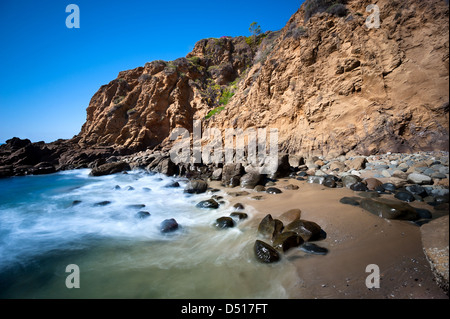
(49, 72)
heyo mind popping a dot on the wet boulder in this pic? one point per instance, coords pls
(168, 226)
(273, 190)
(196, 186)
(389, 209)
(311, 248)
(265, 253)
(286, 241)
(290, 215)
(269, 227)
(142, 215)
(306, 229)
(209, 203)
(250, 180)
(224, 222)
(349, 180)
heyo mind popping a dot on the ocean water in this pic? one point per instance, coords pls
(43, 229)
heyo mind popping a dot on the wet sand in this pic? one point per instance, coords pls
(355, 238)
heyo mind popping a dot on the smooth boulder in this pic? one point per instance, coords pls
(389, 209)
(168, 226)
(265, 253)
(197, 186)
(306, 229)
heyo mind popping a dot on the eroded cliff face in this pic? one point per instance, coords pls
(330, 85)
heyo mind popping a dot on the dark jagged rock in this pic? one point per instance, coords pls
(265, 253)
(110, 168)
(416, 190)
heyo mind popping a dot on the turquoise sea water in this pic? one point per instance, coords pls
(42, 230)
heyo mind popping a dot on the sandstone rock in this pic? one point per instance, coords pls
(435, 241)
(217, 174)
(357, 163)
(372, 183)
(290, 215)
(291, 187)
(259, 188)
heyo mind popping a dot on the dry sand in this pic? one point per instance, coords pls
(355, 239)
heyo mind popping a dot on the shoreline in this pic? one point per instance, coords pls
(355, 238)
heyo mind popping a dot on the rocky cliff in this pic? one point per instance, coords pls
(330, 84)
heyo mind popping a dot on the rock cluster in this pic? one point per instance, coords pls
(285, 233)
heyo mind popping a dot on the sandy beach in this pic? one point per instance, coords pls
(355, 238)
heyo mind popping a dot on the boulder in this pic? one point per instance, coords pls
(357, 163)
(312, 248)
(286, 241)
(110, 168)
(389, 209)
(250, 180)
(231, 173)
(209, 203)
(420, 179)
(269, 227)
(273, 190)
(349, 180)
(217, 174)
(306, 229)
(142, 215)
(291, 187)
(265, 253)
(372, 183)
(259, 188)
(197, 186)
(224, 222)
(168, 226)
(359, 187)
(239, 215)
(290, 216)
